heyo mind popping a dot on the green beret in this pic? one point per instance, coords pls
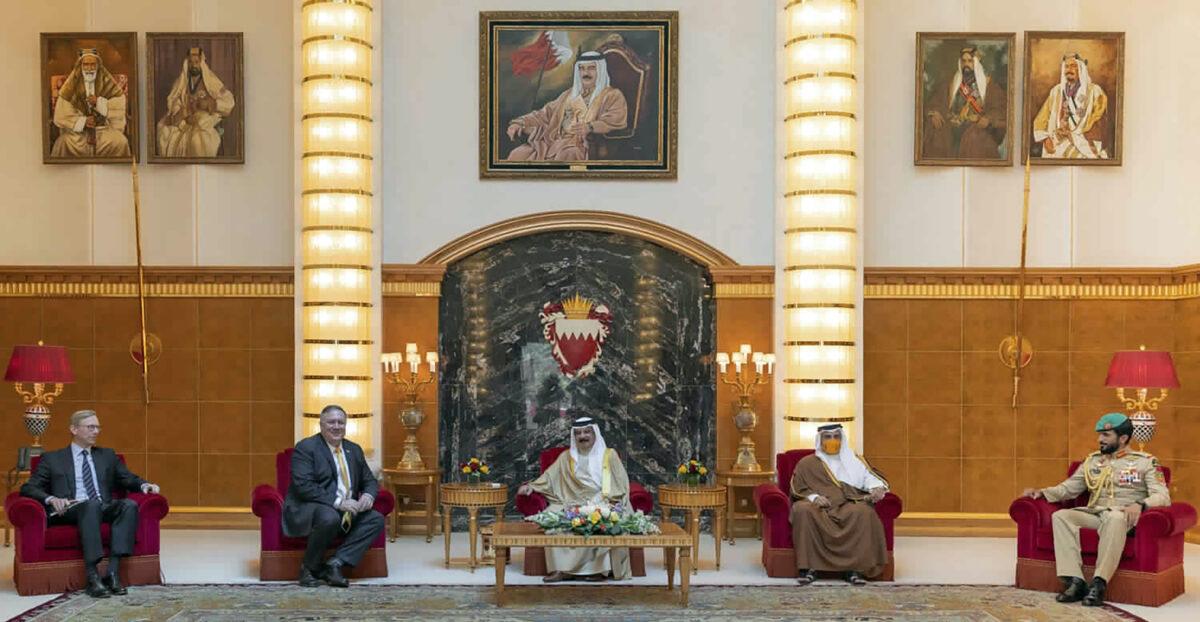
(1110, 421)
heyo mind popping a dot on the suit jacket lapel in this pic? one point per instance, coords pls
(70, 468)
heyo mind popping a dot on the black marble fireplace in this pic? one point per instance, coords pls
(502, 394)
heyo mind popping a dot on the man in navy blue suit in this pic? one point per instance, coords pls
(332, 492)
(76, 484)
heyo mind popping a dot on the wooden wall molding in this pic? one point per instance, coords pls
(1041, 283)
(420, 280)
(581, 220)
(743, 281)
(161, 282)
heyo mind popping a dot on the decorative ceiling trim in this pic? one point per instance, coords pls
(575, 220)
(161, 282)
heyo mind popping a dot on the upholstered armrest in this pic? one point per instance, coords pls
(1165, 522)
(531, 504)
(640, 498)
(889, 507)
(267, 504)
(771, 502)
(29, 519)
(152, 508)
(385, 502)
(1032, 513)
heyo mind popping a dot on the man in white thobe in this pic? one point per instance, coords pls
(589, 473)
(90, 112)
(1069, 124)
(196, 105)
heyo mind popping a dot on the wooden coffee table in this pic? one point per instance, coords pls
(672, 540)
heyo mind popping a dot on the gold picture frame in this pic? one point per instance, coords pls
(108, 137)
(1093, 139)
(961, 119)
(166, 53)
(535, 118)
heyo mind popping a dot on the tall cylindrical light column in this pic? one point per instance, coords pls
(336, 282)
(819, 286)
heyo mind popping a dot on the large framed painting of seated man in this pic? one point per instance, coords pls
(88, 97)
(195, 108)
(964, 109)
(1074, 93)
(578, 94)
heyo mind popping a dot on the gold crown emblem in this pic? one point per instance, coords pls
(577, 308)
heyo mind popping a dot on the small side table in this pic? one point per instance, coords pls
(12, 481)
(694, 499)
(471, 497)
(427, 478)
(733, 480)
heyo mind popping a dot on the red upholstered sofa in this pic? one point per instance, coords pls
(528, 505)
(775, 505)
(1151, 568)
(49, 560)
(279, 558)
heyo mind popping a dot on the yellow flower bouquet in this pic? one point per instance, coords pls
(475, 470)
(692, 472)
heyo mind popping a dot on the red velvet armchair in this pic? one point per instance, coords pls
(528, 505)
(279, 558)
(1151, 568)
(775, 505)
(49, 559)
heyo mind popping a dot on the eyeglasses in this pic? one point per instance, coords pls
(90, 428)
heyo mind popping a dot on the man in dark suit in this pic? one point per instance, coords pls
(332, 492)
(76, 484)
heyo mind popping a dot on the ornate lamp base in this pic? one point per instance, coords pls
(1144, 424)
(411, 418)
(745, 420)
(37, 419)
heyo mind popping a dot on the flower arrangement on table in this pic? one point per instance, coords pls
(475, 470)
(594, 520)
(692, 472)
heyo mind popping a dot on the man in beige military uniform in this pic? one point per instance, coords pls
(1121, 483)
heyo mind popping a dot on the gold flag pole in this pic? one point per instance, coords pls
(1018, 337)
(137, 234)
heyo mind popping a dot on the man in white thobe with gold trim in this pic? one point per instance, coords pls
(90, 112)
(196, 105)
(589, 473)
(1068, 124)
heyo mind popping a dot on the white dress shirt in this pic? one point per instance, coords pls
(343, 490)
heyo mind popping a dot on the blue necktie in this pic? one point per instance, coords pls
(89, 477)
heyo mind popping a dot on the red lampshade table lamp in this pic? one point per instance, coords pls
(1142, 370)
(42, 365)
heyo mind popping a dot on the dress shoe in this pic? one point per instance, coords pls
(307, 579)
(596, 578)
(854, 577)
(1095, 595)
(332, 574)
(1073, 591)
(806, 577)
(94, 587)
(113, 583)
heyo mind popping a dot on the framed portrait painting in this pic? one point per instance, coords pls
(964, 111)
(1074, 93)
(195, 100)
(88, 96)
(578, 94)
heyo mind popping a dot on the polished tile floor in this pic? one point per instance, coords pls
(232, 557)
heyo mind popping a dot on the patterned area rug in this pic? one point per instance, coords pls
(255, 603)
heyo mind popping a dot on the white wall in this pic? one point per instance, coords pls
(1143, 213)
(726, 186)
(192, 214)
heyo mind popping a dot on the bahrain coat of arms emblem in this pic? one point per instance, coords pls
(576, 329)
